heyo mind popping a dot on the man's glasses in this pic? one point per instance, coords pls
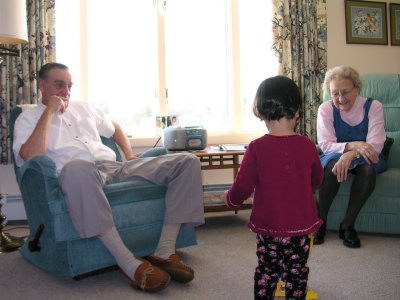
(60, 85)
(343, 93)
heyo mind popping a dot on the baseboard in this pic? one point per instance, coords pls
(13, 207)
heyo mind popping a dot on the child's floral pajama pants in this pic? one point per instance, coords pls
(283, 258)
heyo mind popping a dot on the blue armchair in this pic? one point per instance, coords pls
(138, 209)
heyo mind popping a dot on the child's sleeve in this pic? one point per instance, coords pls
(244, 183)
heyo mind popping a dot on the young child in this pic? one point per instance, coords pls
(281, 169)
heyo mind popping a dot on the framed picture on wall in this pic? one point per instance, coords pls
(394, 24)
(366, 22)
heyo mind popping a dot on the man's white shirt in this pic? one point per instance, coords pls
(74, 134)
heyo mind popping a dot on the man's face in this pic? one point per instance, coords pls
(343, 93)
(58, 83)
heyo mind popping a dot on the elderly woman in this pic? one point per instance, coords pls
(351, 135)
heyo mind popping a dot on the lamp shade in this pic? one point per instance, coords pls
(13, 23)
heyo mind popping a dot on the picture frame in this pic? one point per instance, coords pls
(394, 10)
(366, 22)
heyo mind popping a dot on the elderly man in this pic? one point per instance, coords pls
(69, 133)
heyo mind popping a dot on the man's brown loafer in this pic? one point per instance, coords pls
(174, 266)
(149, 278)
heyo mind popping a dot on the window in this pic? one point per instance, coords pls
(197, 62)
(200, 61)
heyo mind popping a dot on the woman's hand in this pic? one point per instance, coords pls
(368, 152)
(341, 168)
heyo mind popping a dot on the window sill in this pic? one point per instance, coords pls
(238, 138)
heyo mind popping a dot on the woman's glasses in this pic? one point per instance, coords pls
(343, 93)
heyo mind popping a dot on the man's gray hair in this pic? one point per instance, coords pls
(46, 68)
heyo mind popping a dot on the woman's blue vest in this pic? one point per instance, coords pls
(346, 133)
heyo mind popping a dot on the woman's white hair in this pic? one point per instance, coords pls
(343, 72)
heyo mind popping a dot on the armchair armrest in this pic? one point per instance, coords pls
(154, 152)
(41, 193)
(40, 163)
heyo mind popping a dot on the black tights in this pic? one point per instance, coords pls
(361, 188)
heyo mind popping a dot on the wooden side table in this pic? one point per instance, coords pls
(214, 159)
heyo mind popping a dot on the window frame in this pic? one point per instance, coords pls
(235, 135)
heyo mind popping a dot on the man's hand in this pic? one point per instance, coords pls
(132, 156)
(57, 104)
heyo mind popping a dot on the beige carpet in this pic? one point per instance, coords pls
(224, 262)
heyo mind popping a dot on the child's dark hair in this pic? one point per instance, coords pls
(277, 97)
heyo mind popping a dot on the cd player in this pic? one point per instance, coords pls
(185, 138)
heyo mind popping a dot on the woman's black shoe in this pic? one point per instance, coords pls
(319, 236)
(349, 237)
